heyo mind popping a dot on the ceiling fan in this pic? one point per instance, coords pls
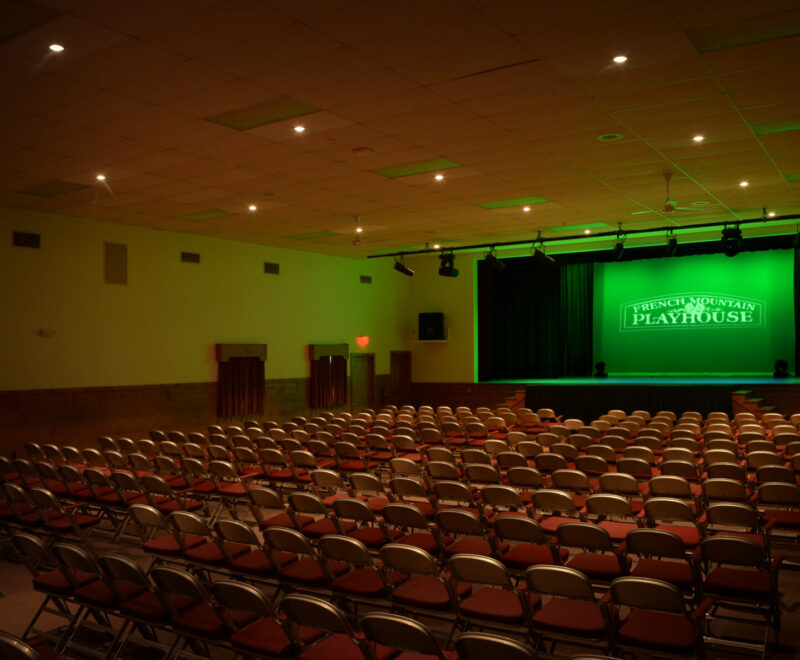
(670, 205)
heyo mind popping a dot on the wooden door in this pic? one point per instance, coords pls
(400, 378)
(362, 381)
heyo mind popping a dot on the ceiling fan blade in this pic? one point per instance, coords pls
(672, 202)
(686, 208)
(641, 212)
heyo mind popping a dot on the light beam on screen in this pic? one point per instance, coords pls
(699, 315)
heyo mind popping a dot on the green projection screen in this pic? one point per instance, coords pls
(707, 315)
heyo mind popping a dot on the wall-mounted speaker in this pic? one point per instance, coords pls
(431, 326)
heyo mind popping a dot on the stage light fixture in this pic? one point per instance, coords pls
(493, 262)
(672, 244)
(539, 255)
(731, 240)
(447, 265)
(400, 266)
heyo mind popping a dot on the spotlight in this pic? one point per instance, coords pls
(619, 246)
(539, 255)
(493, 261)
(400, 266)
(672, 244)
(731, 240)
(447, 267)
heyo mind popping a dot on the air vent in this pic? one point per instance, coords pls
(272, 269)
(366, 279)
(25, 239)
(190, 257)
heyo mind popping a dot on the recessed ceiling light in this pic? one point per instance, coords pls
(359, 230)
(744, 184)
(439, 177)
(57, 48)
(101, 177)
(771, 214)
(698, 138)
(587, 231)
(252, 207)
(619, 59)
(526, 208)
(436, 246)
(299, 129)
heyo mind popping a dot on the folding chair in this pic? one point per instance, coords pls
(570, 613)
(361, 580)
(339, 639)
(265, 636)
(675, 516)
(552, 508)
(235, 535)
(469, 533)
(598, 558)
(740, 577)
(297, 562)
(53, 583)
(397, 632)
(661, 555)
(324, 521)
(530, 546)
(656, 619)
(415, 528)
(498, 604)
(369, 530)
(485, 646)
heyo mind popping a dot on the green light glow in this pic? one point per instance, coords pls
(707, 314)
(397, 171)
(518, 201)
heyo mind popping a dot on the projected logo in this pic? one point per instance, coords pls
(692, 311)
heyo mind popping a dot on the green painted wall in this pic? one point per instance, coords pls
(162, 326)
(451, 361)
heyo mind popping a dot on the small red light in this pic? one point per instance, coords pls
(362, 341)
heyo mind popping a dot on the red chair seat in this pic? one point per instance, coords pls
(523, 555)
(63, 524)
(323, 526)
(783, 517)
(266, 636)
(551, 523)
(285, 520)
(55, 582)
(575, 617)
(473, 546)
(98, 593)
(253, 562)
(662, 630)
(689, 535)
(725, 580)
(377, 504)
(678, 573)
(603, 566)
(424, 540)
(497, 605)
(357, 466)
(148, 607)
(617, 530)
(373, 537)
(307, 571)
(283, 474)
(232, 489)
(203, 620)
(428, 592)
(361, 582)
(340, 647)
(167, 545)
(168, 504)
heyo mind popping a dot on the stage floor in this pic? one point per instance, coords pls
(734, 381)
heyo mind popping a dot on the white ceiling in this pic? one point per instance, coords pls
(514, 91)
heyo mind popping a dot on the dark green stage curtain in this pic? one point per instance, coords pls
(526, 327)
(577, 314)
(796, 310)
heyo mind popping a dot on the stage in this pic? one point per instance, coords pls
(588, 398)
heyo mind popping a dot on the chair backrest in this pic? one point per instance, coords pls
(408, 559)
(479, 570)
(400, 632)
(12, 648)
(480, 646)
(647, 593)
(559, 581)
(648, 542)
(313, 612)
